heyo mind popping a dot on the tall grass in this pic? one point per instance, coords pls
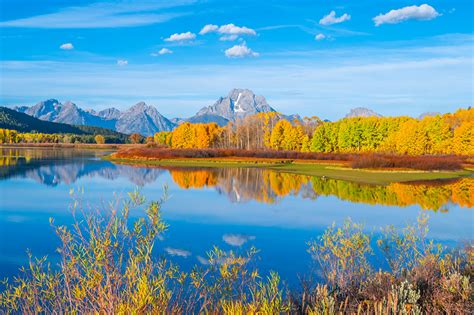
(108, 265)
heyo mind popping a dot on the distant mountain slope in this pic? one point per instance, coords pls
(177, 120)
(208, 118)
(239, 103)
(428, 114)
(362, 112)
(143, 119)
(11, 119)
(109, 113)
(67, 113)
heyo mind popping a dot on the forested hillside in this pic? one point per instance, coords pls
(11, 119)
(18, 127)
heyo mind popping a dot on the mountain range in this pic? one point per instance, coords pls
(146, 120)
(140, 118)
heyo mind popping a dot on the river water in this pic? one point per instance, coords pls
(232, 208)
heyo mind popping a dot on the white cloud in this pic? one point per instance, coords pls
(122, 62)
(209, 28)
(423, 12)
(230, 31)
(240, 51)
(162, 51)
(332, 19)
(179, 37)
(229, 37)
(320, 36)
(177, 252)
(66, 46)
(103, 15)
(237, 239)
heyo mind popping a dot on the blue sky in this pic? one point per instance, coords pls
(396, 57)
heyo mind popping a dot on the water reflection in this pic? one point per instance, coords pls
(244, 184)
(269, 186)
(429, 195)
(52, 167)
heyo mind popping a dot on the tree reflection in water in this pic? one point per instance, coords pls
(267, 186)
(52, 167)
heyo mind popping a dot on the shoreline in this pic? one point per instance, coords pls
(330, 169)
(88, 146)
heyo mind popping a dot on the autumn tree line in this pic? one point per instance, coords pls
(8, 136)
(451, 133)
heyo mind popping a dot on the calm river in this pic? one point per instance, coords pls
(231, 208)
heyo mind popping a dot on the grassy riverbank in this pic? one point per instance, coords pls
(330, 169)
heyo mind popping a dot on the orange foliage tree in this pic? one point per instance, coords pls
(197, 136)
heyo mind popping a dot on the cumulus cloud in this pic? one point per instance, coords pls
(240, 51)
(177, 252)
(423, 12)
(230, 31)
(66, 46)
(332, 19)
(179, 37)
(237, 239)
(122, 62)
(320, 36)
(162, 51)
(209, 28)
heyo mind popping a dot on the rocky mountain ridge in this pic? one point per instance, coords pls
(147, 120)
(140, 118)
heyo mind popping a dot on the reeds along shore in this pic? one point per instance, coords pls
(109, 264)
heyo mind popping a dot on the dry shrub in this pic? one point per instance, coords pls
(108, 266)
(377, 286)
(374, 161)
(425, 163)
(423, 279)
(167, 153)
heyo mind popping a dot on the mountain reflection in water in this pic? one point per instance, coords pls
(52, 167)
